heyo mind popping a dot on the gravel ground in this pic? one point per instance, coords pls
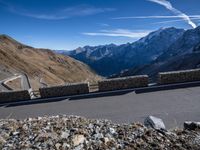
(77, 133)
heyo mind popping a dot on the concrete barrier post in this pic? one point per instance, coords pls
(123, 83)
(64, 90)
(14, 96)
(179, 76)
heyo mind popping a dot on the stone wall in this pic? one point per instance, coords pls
(65, 90)
(123, 83)
(14, 96)
(179, 76)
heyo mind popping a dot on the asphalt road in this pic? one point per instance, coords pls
(24, 82)
(173, 106)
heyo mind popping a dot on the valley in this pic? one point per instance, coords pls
(167, 49)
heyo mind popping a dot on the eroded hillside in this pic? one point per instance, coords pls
(41, 65)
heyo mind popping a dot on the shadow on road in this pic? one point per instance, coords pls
(70, 98)
(103, 94)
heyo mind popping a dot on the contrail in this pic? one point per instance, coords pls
(157, 17)
(177, 12)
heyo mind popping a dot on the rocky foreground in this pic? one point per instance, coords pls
(72, 132)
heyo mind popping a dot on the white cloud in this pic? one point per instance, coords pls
(65, 13)
(177, 12)
(104, 24)
(69, 12)
(177, 20)
(120, 33)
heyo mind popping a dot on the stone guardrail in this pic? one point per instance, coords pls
(179, 76)
(105, 85)
(14, 96)
(64, 90)
(123, 83)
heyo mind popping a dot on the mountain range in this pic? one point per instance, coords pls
(40, 64)
(184, 53)
(166, 49)
(111, 59)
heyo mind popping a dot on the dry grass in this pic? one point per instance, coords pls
(54, 69)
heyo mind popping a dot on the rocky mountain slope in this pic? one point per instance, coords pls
(40, 64)
(182, 54)
(111, 59)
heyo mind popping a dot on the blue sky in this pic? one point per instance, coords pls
(68, 24)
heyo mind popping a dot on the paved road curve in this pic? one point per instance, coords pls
(24, 82)
(173, 106)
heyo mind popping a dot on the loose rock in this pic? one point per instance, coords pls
(78, 139)
(189, 125)
(78, 133)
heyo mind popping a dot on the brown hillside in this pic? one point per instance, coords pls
(41, 64)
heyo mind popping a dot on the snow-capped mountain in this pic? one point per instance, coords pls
(112, 59)
(184, 53)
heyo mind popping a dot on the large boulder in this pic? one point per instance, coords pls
(154, 122)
